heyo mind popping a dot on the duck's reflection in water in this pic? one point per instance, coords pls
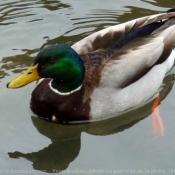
(55, 157)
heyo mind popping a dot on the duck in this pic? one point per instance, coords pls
(105, 74)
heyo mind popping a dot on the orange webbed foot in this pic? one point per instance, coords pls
(157, 123)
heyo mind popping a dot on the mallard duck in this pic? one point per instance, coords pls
(109, 72)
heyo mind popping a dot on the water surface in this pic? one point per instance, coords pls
(121, 145)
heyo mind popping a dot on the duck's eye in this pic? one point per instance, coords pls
(51, 60)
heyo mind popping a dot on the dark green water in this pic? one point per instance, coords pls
(121, 145)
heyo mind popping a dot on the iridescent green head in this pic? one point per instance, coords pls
(63, 64)
(59, 62)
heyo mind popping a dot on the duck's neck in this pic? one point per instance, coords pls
(69, 77)
(66, 87)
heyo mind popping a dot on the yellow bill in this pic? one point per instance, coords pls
(27, 77)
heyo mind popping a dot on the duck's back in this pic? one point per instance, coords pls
(124, 67)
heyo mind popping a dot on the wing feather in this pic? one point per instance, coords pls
(110, 36)
(108, 66)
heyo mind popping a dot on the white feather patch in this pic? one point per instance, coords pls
(109, 101)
